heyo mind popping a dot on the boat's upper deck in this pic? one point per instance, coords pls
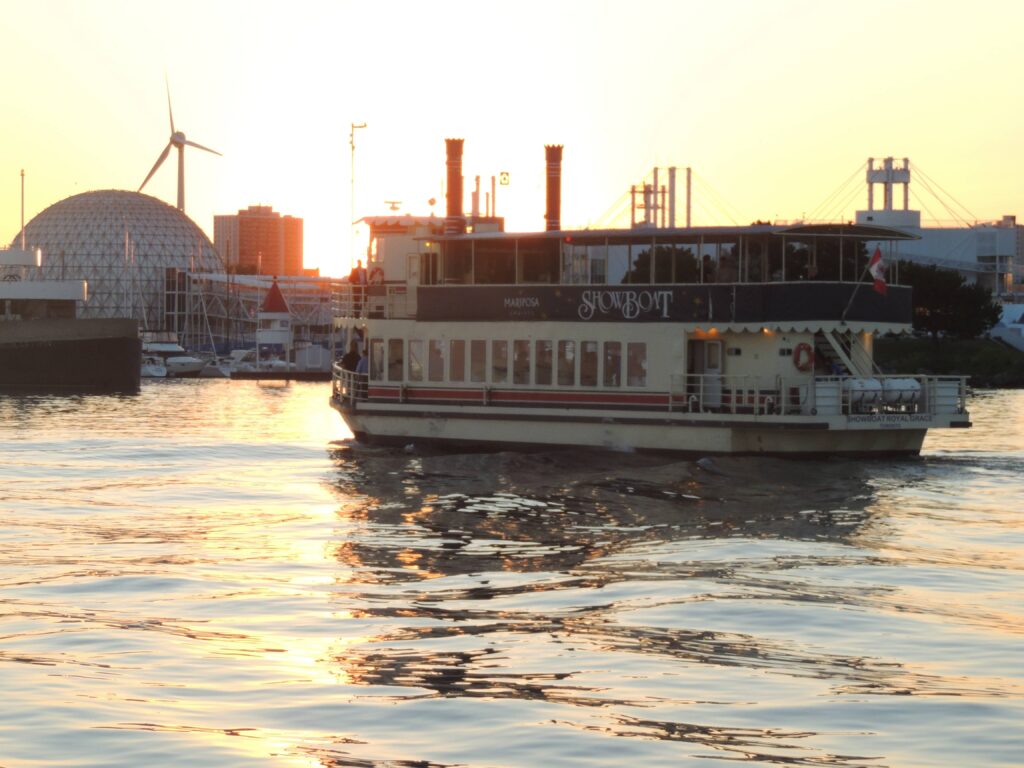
(758, 274)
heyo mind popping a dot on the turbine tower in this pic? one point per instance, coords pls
(179, 142)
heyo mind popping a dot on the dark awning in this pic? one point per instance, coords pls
(851, 231)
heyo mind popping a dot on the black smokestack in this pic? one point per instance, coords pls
(553, 216)
(455, 221)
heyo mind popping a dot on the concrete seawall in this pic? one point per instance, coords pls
(19, 331)
(94, 355)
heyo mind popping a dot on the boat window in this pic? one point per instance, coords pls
(430, 268)
(458, 262)
(376, 359)
(396, 359)
(588, 364)
(713, 356)
(538, 260)
(685, 268)
(566, 363)
(799, 261)
(478, 360)
(435, 360)
(728, 263)
(640, 266)
(618, 263)
(499, 362)
(457, 368)
(754, 262)
(494, 262)
(574, 263)
(612, 363)
(708, 262)
(597, 257)
(520, 361)
(663, 263)
(544, 351)
(636, 364)
(416, 358)
(771, 262)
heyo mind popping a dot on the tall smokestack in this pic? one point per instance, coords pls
(455, 221)
(553, 216)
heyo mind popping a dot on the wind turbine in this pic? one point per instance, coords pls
(179, 142)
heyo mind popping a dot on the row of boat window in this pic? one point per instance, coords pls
(563, 363)
(512, 260)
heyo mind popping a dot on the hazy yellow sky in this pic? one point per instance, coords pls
(774, 104)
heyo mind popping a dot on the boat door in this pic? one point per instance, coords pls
(704, 362)
(712, 374)
(412, 279)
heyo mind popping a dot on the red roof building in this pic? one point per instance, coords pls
(274, 301)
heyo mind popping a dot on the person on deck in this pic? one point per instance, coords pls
(350, 360)
(357, 281)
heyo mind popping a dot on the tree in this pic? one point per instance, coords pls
(945, 304)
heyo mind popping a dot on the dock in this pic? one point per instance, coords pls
(281, 375)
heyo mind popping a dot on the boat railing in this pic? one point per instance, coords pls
(760, 396)
(818, 395)
(386, 302)
(348, 386)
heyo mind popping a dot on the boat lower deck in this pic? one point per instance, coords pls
(677, 432)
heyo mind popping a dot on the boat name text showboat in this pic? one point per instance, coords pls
(628, 304)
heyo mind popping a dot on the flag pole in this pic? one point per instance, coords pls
(867, 265)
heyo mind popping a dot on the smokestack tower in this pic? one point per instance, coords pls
(455, 220)
(553, 215)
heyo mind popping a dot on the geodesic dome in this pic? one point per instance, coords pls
(122, 243)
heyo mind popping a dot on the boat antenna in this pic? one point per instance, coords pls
(23, 209)
(352, 219)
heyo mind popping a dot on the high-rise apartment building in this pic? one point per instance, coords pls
(259, 240)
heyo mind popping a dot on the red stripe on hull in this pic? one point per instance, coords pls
(513, 397)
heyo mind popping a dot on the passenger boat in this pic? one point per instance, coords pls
(749, 339)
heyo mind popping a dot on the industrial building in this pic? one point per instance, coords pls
(990, 253)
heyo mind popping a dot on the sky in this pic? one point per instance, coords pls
(776, 106)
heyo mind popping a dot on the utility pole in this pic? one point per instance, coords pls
(352, 218)
(23, 209)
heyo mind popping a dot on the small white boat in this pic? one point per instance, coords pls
(179, 364)
(217, 368)
(153, 367)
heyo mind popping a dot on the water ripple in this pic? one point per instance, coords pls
(239, 586)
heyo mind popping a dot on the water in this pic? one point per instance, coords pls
(208, 574)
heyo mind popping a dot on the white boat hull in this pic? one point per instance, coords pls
(184, 367)
(674, 432)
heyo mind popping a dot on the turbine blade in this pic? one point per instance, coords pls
(159, 160)
(200, 146)
(170, 112)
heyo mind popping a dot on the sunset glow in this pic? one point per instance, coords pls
(774, 106)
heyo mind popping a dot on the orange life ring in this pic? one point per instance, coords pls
(803, 357)
(376, 276)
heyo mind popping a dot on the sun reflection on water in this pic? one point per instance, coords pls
(211, 574)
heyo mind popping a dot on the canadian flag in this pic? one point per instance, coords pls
(877, 270)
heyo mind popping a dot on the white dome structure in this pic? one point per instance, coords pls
(122, 243)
